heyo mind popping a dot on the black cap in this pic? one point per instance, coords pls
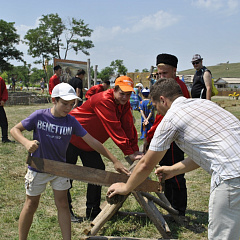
(167, 59)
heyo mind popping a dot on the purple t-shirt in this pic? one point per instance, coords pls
(53, 133)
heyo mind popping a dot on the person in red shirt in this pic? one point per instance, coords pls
(175, 188)
(3, 117)
(97, 88)
(106, 114)
(55, 79)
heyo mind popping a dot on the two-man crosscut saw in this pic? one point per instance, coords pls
(86, 174)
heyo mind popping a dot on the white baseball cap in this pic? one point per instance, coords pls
(64, 91)
(139, 85)
(146, 90)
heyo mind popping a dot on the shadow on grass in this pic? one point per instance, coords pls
(198, 221)
(195, 222)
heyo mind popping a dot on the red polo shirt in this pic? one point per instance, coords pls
(3, 91)
(103, 118)
(93, 90)
(53, 81)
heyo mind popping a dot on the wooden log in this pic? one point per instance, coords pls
(99, 216)
(107, 212)
(165, 200)
(151, 214)
(116, 238)
(97, 225)
(159, 215)
(104, 216)
(162, 204)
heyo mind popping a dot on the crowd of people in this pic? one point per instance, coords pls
(183, 124)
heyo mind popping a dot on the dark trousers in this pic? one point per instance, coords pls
(3, 123)
(89, 159)
(175, 188)
(80, 103)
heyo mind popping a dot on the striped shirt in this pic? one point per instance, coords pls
(207, 133)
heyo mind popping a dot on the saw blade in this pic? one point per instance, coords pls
(86, 174)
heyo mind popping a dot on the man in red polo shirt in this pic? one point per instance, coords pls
(175, 188)
(106, 114)
(97, 88)
(55, 79)
(3, 117)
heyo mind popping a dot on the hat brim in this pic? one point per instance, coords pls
(126, 88)
(69, 98)
(200, 59)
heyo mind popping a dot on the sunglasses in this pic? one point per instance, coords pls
(194, 63)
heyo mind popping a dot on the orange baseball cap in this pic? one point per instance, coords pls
(125, 83)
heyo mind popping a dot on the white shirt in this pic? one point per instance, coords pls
(207, 133)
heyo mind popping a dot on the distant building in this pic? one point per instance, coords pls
(188, 79)
(227, 83)
(219, 83)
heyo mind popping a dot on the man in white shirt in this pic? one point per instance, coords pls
(210, 136)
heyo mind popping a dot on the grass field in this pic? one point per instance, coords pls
(45, 224)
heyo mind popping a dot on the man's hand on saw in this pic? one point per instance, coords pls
(120, 168)
(117, 188)
(166, 170)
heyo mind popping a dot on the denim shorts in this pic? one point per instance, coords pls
(36, 182)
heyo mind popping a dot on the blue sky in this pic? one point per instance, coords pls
(135, 31)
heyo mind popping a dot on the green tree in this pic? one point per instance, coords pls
(21, 72)
(8, 38)
(145, 70)
(4, 76)
(118, 66)
(46, 41)
(76, 31)
(106, 73)
(136, 70)
(36, 76)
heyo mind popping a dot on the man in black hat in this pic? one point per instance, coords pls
(202, 80)
(175, 188)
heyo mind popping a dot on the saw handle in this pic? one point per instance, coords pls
(162, 183)
(29, 154)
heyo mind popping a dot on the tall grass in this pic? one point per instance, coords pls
(45, 224)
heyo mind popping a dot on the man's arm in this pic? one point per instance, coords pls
(207, 77)
(139, 174)
(184, 166)
(99, 147)
(81, 89)
(50, 86)
(78, 92)
(16, 132)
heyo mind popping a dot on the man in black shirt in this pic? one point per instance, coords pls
(77, 84)
(202, 80)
